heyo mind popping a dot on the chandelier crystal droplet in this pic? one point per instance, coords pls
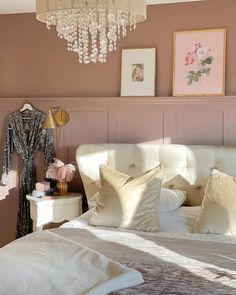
(91, 27)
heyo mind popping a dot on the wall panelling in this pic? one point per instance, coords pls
(189, 120)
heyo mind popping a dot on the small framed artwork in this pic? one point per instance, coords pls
(138, 72)
(199, 63)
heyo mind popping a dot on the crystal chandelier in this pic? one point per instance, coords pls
(91, 27)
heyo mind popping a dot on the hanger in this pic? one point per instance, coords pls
(26, 106)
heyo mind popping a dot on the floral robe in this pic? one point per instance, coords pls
(24, 132)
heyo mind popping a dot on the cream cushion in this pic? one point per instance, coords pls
(127, 202)
(218, 212)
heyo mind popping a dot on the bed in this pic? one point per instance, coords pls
(172, 261)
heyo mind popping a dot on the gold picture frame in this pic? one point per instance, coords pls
(199, 62)
(138, 72)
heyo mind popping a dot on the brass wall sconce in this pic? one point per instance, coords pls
(55, 117)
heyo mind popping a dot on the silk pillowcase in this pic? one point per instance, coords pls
(127, 202)
(218, 212)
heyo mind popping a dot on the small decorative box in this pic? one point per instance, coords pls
(42, 186)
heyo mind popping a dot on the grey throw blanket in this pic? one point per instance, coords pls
(169, 265)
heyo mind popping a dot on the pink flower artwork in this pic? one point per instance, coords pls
(199, 62)
(190, 58)
(201, 56)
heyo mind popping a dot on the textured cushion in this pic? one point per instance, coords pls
(170, 200)
(218, 212)
(128, 202)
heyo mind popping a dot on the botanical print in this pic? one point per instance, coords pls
(201, 58)
(199, 62)
(137, 72)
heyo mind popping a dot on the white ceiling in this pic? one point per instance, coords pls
(24, 6)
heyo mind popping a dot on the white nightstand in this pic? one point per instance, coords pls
(56, 210)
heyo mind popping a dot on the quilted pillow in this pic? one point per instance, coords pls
(218, 212)
(127, 202)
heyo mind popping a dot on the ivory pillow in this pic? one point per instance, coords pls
(218, 212)
(127, 202)
(170, 200)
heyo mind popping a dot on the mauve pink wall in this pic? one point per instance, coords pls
(34, 63)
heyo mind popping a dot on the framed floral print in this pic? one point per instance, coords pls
(138, 72)
(199, 63)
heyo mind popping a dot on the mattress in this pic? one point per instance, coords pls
(172, 262)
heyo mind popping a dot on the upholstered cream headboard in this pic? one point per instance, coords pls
(185, 167)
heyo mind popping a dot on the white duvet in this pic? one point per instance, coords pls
(50, 264)
(173, 224)
(69, 260)
(172, 261)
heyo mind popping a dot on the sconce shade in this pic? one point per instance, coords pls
(49, 121)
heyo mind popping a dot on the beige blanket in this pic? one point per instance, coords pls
(47, 263)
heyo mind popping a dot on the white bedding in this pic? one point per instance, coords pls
(176, 224)
(180, 220)
(48, 263)
(171, 263)
(174, 260)
(177, 221)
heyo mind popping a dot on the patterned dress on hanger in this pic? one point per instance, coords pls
(25, 133)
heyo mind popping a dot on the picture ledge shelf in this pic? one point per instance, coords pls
(124, 100)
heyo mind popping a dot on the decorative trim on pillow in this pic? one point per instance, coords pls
(127, 202)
